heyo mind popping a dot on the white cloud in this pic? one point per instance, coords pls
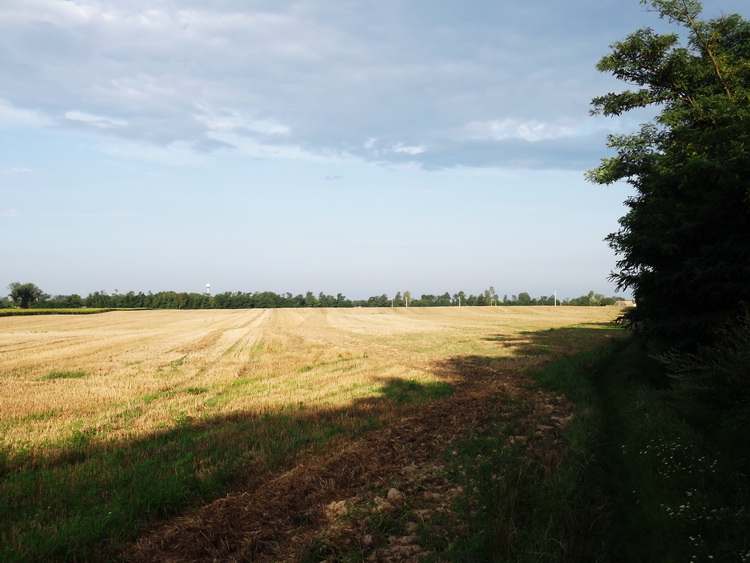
(12, 212)
(12, 115)
(413, 150)
(231, 120)
(15, 170)
(254, 147)
(97, 215)
(295, 79)
(94, 120)
(515, 129)
(178, 153)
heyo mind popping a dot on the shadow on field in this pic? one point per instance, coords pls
(554, 340)
(88, 499)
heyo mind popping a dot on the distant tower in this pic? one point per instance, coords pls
(208, 289)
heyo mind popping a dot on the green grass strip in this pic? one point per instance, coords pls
(77, 311)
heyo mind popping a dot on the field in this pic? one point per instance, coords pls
(113, 422)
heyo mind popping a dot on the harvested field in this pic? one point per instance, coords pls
(293, 408)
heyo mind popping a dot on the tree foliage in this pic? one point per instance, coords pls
(271, 300)
(25, 294)
(684, 245)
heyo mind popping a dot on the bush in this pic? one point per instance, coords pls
(711, 385)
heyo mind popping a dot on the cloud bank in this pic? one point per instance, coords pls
(432, 84)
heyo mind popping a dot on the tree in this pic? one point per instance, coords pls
(311, 300)
(74, 301)
(379, 301)
(427, 300)
(684, 245)
(24, 294)
(524, 299)
(490, 297)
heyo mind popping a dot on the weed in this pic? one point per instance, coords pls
(411, 391)
(40, 416)
(178, 362)
(331, 549)
(155, 396)
(498, 504)
(183, 420)
(65, 375)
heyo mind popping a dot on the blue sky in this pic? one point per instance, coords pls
(361, 147)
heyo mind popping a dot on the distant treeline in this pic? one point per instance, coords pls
(270, 300)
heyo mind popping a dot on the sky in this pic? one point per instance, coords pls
(356, 147)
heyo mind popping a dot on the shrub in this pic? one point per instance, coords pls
(711, 385)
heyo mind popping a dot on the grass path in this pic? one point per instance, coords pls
(651, 487)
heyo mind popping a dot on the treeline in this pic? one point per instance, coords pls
(271, 300)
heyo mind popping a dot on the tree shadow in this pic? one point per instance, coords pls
(556, 341)
(89, 497)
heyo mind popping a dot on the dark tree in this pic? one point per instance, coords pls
(684, 244)
(524, 299)
(25, 294)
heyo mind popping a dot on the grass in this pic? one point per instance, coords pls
(411, 391)
(681, 498)
(65, 375)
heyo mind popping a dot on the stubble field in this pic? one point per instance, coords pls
(149, 412)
